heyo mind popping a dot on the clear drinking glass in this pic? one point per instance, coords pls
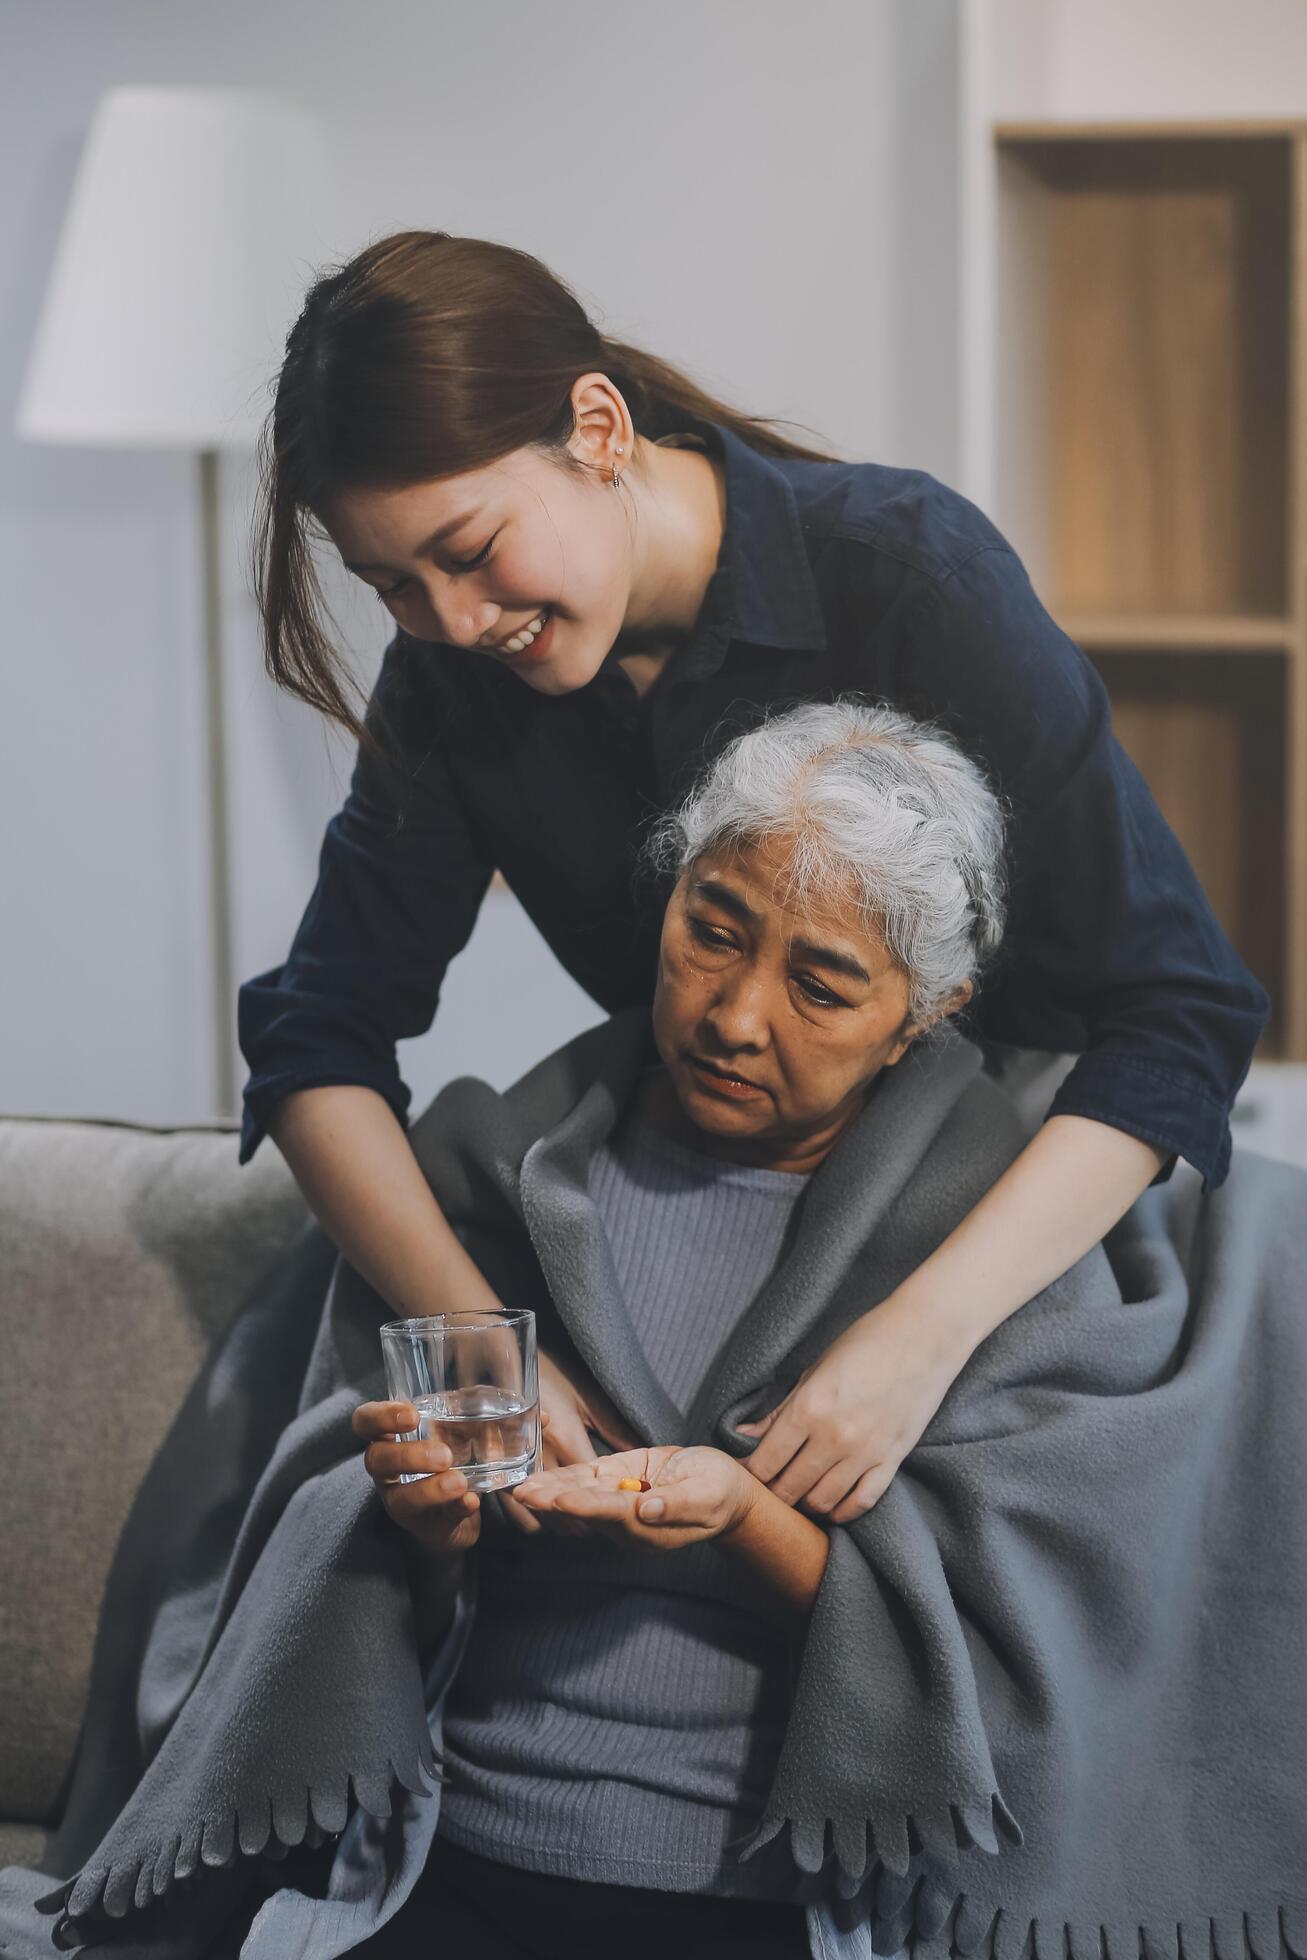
(472, 1379)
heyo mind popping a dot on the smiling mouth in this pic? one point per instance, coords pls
(525, 635)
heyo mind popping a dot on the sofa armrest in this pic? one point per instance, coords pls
(124, 1252)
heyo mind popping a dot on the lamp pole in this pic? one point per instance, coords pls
(222, 966)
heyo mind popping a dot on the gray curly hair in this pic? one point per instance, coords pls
(869, 802)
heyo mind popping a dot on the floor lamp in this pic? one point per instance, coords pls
(195, 223)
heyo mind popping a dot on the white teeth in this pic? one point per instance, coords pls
(525, 634)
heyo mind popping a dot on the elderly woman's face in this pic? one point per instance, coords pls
(772, 1022)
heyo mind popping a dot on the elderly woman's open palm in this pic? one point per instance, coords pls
(691, 1494)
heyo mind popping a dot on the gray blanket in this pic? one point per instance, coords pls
(1052, 1690)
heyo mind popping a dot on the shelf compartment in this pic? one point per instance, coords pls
(1187, 633)
(1207, 731)
(1145, 370)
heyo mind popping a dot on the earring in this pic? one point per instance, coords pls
(617, 474)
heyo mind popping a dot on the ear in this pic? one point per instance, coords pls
(956, 1001)
(911, 1029)
(602, 426)
(903, 1040)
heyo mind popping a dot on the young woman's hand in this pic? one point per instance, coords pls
(836, 1441)
(441, 1512)
(571, 1404)
(695, 1494)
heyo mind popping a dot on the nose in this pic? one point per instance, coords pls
(737, 1013)
(461, 620)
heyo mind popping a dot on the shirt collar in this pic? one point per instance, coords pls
(762, 591)
(771, 595)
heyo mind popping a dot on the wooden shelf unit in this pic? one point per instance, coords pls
(1151, 350)
(1179, 632)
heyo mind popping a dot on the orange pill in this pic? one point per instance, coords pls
(635, 1483)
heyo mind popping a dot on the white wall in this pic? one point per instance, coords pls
(747, 186)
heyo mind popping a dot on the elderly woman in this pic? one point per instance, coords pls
(617, 1724)
(1046, 1693)
(708, 1213)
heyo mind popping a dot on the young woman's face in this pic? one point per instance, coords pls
(480, 559)
(771, 1022)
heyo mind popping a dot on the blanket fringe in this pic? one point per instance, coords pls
(878, 1862)
(961, 1928)
(268, 1826)
(893, 1837)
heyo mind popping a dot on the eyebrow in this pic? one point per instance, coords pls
(728, 900)
(437, 537)
(827, 956)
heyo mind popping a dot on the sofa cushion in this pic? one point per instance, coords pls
(124, 1252)
(21, 1844)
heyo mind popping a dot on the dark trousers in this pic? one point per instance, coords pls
(473, 1906)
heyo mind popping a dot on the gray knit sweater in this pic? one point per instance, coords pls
(618, 1714)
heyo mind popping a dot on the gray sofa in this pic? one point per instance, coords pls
(124, 1252)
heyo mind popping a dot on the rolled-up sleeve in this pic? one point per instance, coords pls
(1112, 947)
(401, 877)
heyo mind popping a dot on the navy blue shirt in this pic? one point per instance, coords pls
(832, 578)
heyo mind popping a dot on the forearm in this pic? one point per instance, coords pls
(1069, 1186)
(357, 1170)
(784, 1548)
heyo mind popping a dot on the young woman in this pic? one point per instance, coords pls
(599, 574)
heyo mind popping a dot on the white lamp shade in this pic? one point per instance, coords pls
(196, 222)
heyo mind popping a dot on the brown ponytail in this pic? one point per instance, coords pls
(660, 397)
(425, 356)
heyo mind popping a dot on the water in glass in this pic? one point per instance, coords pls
(490, 1431)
